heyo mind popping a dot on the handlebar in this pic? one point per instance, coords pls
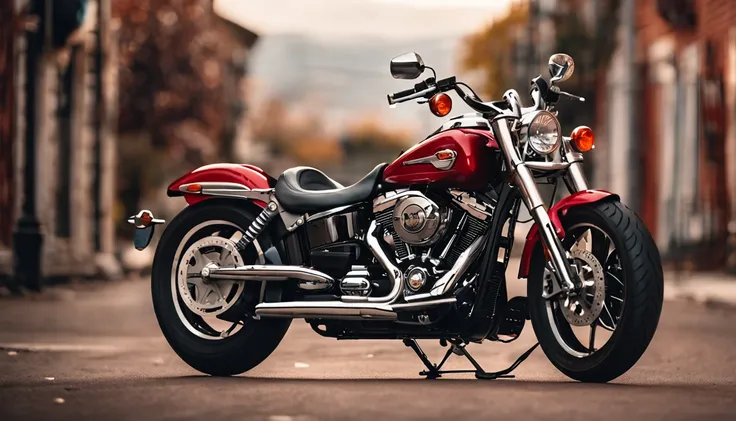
(430, 87)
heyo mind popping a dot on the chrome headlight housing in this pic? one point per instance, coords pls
(541, 130)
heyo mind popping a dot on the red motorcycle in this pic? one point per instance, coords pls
(417, 249)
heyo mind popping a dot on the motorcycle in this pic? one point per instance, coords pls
(417, 249)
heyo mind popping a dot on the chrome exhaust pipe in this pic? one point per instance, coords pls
(394, 273)
(306, 278)
(339, 310)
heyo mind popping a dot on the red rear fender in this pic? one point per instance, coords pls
(556, 213)
(247, 175)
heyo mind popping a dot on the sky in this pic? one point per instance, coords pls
(397, 19)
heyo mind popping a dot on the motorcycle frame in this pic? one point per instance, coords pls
(522, 188)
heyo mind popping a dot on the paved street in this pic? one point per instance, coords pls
(98, 348)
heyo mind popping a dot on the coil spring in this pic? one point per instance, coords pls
(257, 227)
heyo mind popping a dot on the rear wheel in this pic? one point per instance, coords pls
(190, 310)
(602, 330)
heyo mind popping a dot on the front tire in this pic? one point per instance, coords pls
(637, 300)
(231, 354)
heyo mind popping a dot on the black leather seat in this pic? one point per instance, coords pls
(308, 190)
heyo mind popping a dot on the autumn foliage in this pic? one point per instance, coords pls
(489, 51)
(170, 73)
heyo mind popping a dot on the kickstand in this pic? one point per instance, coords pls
(435, 371)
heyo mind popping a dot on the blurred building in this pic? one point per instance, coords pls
(675, 90)
(236, 42)
(72, 92)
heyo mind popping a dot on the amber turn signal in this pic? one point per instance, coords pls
(440, 104)
(443, 155)
(194, 188)
(582, 139)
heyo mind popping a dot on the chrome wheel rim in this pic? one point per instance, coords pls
(604, 295)
(196, 302)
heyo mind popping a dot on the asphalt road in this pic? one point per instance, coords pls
(95, 352)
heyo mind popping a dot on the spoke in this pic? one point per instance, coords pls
(615, 277)
(200, 261)
(591, 342)
(613, 321)
(620, 300)
(224, 254)
(583, 238)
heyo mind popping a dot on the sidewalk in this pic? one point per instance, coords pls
(708, 288)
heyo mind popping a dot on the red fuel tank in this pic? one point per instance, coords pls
(457, 158)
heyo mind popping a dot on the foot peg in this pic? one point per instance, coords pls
(457, 347)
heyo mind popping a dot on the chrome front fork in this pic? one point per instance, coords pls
(524, 180)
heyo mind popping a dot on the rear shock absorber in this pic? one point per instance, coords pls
(255, 229)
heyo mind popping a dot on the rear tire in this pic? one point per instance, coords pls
(235, 354)
(642, 294)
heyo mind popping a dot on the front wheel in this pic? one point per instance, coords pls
(600, 331)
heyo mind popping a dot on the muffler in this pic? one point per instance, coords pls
(343, 311)
(306, 278)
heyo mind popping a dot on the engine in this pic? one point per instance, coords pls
(429, 232)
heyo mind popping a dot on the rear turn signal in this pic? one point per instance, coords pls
(582, 139)
(440, 104)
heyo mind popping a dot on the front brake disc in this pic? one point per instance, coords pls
(584, 308)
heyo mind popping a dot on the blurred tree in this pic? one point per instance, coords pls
(490, 51)
(169, 69)
(591, 45)
(298, 135)
(370, 135)
(171, 103)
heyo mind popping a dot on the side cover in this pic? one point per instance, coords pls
(247, 175)
(556, 213)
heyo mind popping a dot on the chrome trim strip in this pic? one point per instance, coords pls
(329, 212)
(223, 189)
(440, 164)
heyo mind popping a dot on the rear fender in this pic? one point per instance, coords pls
(249, 176)
(556, 213)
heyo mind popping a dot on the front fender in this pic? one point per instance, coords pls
(247, 175)
(556, 213)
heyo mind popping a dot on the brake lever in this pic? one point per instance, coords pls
(556, 89)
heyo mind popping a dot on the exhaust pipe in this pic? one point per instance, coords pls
(342, 310)
(307, 278)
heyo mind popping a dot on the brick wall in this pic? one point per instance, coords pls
(714, 20)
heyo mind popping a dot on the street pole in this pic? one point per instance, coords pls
(628, 17)
(27, 236)
(97, 150)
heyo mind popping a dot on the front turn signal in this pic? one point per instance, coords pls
(440, 104)
(582, 139)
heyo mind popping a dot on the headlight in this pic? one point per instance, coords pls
(542, 130)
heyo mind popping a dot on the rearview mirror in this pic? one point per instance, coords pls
(561, 67)
(407, 66)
